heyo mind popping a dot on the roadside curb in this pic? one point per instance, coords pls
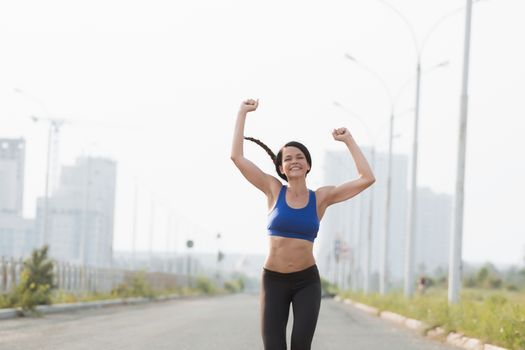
(437, 333)
(66, 307)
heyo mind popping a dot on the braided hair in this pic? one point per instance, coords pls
(277, 159)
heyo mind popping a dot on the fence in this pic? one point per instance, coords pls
(80, 279)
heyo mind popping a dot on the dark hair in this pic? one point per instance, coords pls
(278, 159)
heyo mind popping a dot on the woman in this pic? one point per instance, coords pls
(290, 272)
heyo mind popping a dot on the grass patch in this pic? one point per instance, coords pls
(136, 286)
(496, 317)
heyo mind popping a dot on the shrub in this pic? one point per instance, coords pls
(234, 286)
(36, 282)
(136, 286)
(328, 289)
(205, 285)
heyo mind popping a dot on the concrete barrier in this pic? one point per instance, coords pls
(84, 305)
(492, 347)
(348, 301)
(393, 317)
(472, 344)
(368, 309)
(436, 333)
(453, 338)
(8, 313)
(416, 324)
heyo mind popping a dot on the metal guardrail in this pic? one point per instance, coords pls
(80, 279)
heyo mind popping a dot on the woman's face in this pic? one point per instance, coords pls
(294, 163)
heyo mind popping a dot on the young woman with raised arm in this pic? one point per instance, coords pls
(290, 274)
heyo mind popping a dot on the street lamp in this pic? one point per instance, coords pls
(393, 104)
(457, 233)
(153, 205)
(189, 245)
(409, 243)
(220, 256)
(134, 228)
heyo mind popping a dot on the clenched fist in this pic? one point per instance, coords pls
(249, 105)
(341, 134)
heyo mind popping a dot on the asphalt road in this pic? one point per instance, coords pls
(226, 322)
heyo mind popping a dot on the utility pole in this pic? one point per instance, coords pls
(135, 219)
(455, 265)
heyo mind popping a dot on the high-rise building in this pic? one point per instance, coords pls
(17, 235)
(343, 236)
(433, 233)
(12, 155)
(81, 213)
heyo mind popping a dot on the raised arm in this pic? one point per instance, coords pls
(329, 195)
(249, 170)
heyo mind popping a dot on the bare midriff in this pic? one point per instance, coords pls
(289, 254)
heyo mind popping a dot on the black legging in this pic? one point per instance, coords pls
(303, 290)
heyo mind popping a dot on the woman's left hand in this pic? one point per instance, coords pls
(341, 134)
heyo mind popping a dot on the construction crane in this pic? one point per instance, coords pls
(52, 165)
(52, 161)
(53, 151)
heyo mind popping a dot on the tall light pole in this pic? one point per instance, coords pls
(383, 266)
(220, 256)
(134, 228)
(151, 230)
(368, 250)
(412, 213)
(457, 234)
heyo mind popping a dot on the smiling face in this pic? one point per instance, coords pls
(294, 163)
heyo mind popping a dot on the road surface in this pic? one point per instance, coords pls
(225, 322)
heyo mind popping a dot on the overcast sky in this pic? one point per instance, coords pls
(156, 86)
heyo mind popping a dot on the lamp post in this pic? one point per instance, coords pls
(412, 213)
(392, 106)
(189, 245)
(153, 206)
(457, 233)
(220, 256)
(134, 228)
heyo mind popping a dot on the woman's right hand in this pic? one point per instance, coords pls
(249, 105)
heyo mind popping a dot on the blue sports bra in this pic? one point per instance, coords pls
(286, 221)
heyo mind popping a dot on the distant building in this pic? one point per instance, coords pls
(434, 226)
(17, 235)
(12, 156)
(341, 250)
(81, 213)
(347, 222)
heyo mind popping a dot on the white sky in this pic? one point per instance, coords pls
(157, 85)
